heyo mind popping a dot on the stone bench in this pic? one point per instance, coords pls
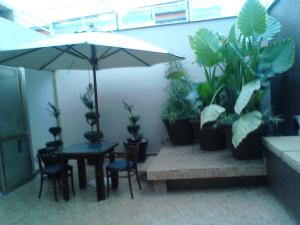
(283, 168)
(182, 163)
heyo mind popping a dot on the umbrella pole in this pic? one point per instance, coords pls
(96, 102)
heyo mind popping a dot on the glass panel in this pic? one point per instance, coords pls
(68, 26)
(103, 22)
(171, 13)
(16, 160)
(11, 110)
(137, 18)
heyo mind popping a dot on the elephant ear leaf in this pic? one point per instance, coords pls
(244, 125)
(206, 46)
(277, 58)
(252, 18)
(245, 95)
(273, 28)
(211, 113)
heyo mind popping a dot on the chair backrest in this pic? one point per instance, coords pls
(132, 150)
(54, 144)
(47, 157)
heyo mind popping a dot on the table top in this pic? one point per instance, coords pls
(88, 148)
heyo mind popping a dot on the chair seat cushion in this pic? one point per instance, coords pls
(119, 165)
(55, 168)
(52, 169)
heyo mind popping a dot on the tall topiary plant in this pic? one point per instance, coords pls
(87, 100)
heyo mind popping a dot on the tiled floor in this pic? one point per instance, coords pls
(222, 206)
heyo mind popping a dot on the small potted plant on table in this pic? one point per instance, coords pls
(134, 129)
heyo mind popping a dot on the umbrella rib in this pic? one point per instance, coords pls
(135, 57)
(79, 53)
(17, 56)
(70, 53)
(103, 55)
(110, 54)
(55, 58)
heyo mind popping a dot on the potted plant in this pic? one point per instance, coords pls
(134, 129)
(178, 110)
(211, 136)
(55, 131)
(247, 61)
(87, 100)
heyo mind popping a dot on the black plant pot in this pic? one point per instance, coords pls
(196, 129)
(142, 150)
(180, 132)
(251, 147)
(55, 131)
(211, 138)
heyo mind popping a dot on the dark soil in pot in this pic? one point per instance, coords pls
(211, 138)
(251, 147)
(180, 132)
(142, 150)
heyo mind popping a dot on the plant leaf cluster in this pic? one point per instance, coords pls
(87, 97)
(245, 61)
(179, 103)
(133, 128)
(53, 110)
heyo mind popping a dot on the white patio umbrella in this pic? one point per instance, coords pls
(83, 51)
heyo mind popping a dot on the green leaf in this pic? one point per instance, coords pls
(252, 18)
(245, 95)
(273, 28)
(211, 113)
(206, 92)
(176, 75)
(245, 125)
(206, 46)
(277, 58)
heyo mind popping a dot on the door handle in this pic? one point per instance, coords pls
(19, 143)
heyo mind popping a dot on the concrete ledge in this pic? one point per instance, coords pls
(279, 145)
(189, 162)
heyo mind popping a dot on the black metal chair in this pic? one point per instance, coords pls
(50, 169)
(129, 165)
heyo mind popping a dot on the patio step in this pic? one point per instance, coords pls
(187, 163)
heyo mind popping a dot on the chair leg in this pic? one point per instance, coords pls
(129, 182)
(138, 178)
(107, 182)
(41, 185)
(54, 188)
(72, 182)
(59, 184)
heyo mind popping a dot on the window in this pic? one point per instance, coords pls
(137, 18)
(170, 13)
(103, 22)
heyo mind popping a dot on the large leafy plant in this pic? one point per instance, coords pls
(246, 59)
(177, 105)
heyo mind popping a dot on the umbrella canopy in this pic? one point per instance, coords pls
(80, 51)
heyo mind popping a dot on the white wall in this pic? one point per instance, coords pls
(39, 90)
(142, 87)
(12, 33)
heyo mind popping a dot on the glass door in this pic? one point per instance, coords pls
(15, 163)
